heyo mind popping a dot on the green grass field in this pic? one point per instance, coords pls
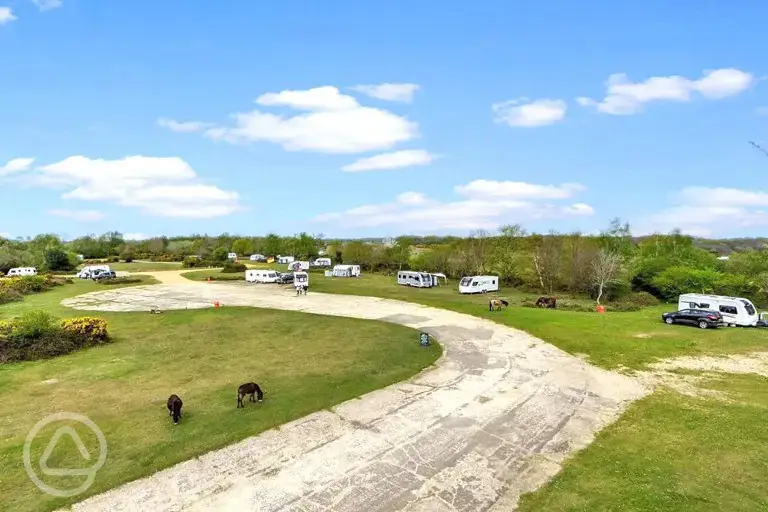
(144, 266)
(669, 452)
(304, 362)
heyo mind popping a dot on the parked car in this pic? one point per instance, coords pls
(98, 275)
(285, 278)
(699, 317)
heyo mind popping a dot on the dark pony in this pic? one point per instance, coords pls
(250, 388)
(496, 304)
(546, 302)
(174, 408)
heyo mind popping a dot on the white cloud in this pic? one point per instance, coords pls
(5, 235)
(184, 127)
(47, 5)
(333, 123)
(394, 160)
(704, 211)
(478, 207)
(78, 215)
(135, 237)
(525, 113)
(166, 187)
(389, 92)
(624, 97)
(6, 15)
(16, 165)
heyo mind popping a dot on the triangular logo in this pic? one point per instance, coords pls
(52, 444)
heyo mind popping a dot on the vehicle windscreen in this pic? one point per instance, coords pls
(466, 281)
(749, 308)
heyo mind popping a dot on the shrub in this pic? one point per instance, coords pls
(623, 306)
(38, 335)
(127, 257)
(232, 267)
(569, 305)
(642, 299)
(220, 255)
(91, 330)
(7, 296)
(193, 262)
(119, 280)
(57, 258)
(167, 257)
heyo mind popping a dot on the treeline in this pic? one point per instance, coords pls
(606, 267)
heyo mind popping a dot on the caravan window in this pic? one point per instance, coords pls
(493, 281)
(701, 305)
(731, 310)
(748, 307)
(465, 281)
(474, 283)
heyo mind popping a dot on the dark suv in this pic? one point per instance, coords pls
(285, 278)
(700, 317)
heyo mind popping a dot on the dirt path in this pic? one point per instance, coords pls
(494, 418)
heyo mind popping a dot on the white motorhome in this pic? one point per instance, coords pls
(22, 271)
(85, 272)
(415, 279)
(284, 259)
(261, 276)
(300, 279)
(258, 257)
(346, 271)
(479, 284)
(298, 265)
(323, 262)
(735, 310)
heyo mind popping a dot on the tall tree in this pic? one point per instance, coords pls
(606, 268)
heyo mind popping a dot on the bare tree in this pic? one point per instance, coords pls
(478, 246)
(606, 268)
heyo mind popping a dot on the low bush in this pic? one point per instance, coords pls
(167, 257)
(570, 305)
(623, 306)
(642, 299)
(39, 335)
(127, 257)
(7, 296)
(119, 280)
(233, 267)
(192, 262)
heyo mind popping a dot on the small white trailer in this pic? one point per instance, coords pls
(284, 259)
(300, 279)
(479, 284)
(346, 271)
(416, 279)
(735, 310)
(323, 262)
(298, 266)
(257, 257)
(232, 256)
(261, 276)
(22, 271)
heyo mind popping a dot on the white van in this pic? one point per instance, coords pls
(479, 284)
(735, 310)
(298, 266)
(261, 276)
(22, 271)
(415, 279)
(85, 272)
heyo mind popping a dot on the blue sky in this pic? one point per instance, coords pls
(469, 117)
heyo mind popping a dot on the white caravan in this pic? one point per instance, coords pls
(735, 310)
(298, 266)
(22, 271)
(300, 279)
(261, 276)
(85, 272)
(323, 262)
(479, 284)
(258, 257)
(232, 256)
(284, 259)
(346, 271)
(416, 279)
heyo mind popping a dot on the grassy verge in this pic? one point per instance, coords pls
(144, 266)
(611, 340)
(672, 453)
(218, 275)
(304, 362)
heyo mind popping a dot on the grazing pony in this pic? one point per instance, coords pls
(495, 304)
(250, 388)
(546, 302)
(174, 408)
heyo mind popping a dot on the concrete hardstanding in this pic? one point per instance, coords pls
(494, 418)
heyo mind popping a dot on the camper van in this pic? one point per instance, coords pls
(346, 271)
(258, 257)
(479, 284)
(87, 271)
(22, 271)
(416, 279)
(298, 265)
(735, 310)
(300, 279)
(261, 276)
(323, 262)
